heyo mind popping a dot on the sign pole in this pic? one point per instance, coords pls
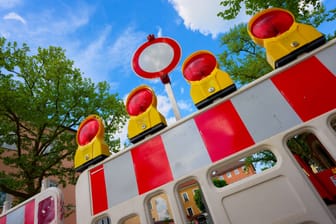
(166, 81)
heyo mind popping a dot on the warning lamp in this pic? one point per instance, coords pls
(145, 119)
(207, 81)
(284, 39)
(46, 210)
(91, 145)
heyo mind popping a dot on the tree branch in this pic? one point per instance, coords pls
(8, 190)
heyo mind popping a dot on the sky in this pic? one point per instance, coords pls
(102, 36)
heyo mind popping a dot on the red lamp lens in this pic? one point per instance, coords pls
(271, 24)
(139, 102)
(199, 67)
(88, 131)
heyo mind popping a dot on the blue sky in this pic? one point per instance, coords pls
(101, 36)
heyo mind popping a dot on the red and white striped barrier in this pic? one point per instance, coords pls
(281, 100)
(44, 208)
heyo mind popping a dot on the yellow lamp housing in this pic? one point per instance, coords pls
(207, 81)
(145, 119)
(284, 39)
(91, 145)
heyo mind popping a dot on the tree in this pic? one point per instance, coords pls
(219, 183)
(199, 200)
(43, 99)
(264, 159)
(242, 58)
(306, 11)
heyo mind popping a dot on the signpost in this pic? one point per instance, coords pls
(155, 59)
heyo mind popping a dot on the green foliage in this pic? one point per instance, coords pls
(198, 200)
(317, 16)
(264, 159)
(299, 145)
(219, 183)
(331, 36)
(301, 9)
(43, 99)
(243, 59)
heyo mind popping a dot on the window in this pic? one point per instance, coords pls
(185, 196)
(51, 183)
(159, 208)
(244, 169)
(190, 212)
(47, 150)
(255, 163)
(2, 198)
(9, 146)
(48, 183)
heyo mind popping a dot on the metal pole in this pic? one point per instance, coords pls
(172, 101)
(166, 81)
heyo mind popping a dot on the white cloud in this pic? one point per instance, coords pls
(121, 50)
(163, 105)
(182, 90)
(91, 59)
(99, 57)
(7, 4)
(201, 15)
(49, 23)
(122, 135)
(46, 27)
(184, 105)
(170, 120)
(14, 16)
(159, 32)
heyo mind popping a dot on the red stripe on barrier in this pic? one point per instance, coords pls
(151, 165)
(98, 190)
(222, 130)
(3, 220)
(309, 87)
(29, 212)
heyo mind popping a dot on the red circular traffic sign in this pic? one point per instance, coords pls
(156, 58)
